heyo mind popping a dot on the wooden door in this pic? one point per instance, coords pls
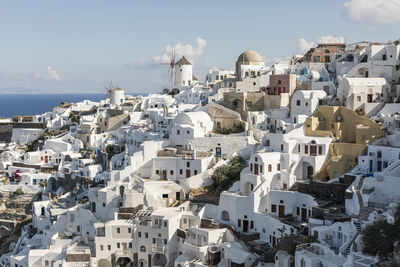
(245, 226)
(303, 214)
(281, 211)
(256, 168)
(187, 173)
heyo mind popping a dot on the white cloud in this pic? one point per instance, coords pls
(189, 51)
(50, 75)
(303, 45)
(373, 11)
(53, 73)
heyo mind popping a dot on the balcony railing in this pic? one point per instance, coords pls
(158, 249)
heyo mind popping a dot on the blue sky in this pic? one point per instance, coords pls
(76, 46)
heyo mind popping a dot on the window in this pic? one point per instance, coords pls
(306, 149)
(278, 166)
(261, 168)
(195, 172)
(269, 168)
(171, 172)
(104, 204)
(118, 230)
(319, 150)
(267, 143)
(297, 211)
(298, 148)
(109, 247)
(129, 230)
(139, 234)
(188, 164)
(358, 98)
(251, 224)
(255, 159)
(188, 131)
(281, 147)
(298, 102)
(279, 82)
(157, 172)
(249, 104)
(165, 241)
(118, 245)
(154, 240)
(78, 228)
(130, 244)
(273, 208)
(165, 223)
(101, 247)
(180, 171)
(239, 223)
(142, 249)
(178, 132)
(146, 235)
(251, 165)
(164, 195)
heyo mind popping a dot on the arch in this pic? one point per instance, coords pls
(166, 91)
(279, 82)
(142, 249)
(159, 260)
(247, 188)
(327, 51)
(124, 261)
(103, 263)
(349, 58)
(225, 215)
(308, 170)
(142, 263)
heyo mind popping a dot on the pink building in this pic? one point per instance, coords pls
(281, 83)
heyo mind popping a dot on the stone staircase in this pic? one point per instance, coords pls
(349, 246)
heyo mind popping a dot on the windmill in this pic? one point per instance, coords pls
(108, 86)
(171, 64)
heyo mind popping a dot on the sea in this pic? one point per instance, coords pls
(32, 104)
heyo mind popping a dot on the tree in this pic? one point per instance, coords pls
(226, 175)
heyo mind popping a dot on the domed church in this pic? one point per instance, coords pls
(248, 57)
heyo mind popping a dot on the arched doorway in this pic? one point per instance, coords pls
(159, 260)
(142, 263)
(225, 215)
(124, 262)
(308, 170)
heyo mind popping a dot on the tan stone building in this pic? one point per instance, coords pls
(351, 135)
(242, 102)
(224, 119)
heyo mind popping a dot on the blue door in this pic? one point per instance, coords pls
(370, 165)
(379, 167)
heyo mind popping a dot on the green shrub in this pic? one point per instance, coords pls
(19, 191)
(226, 175)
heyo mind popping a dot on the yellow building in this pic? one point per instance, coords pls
(351, 135)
